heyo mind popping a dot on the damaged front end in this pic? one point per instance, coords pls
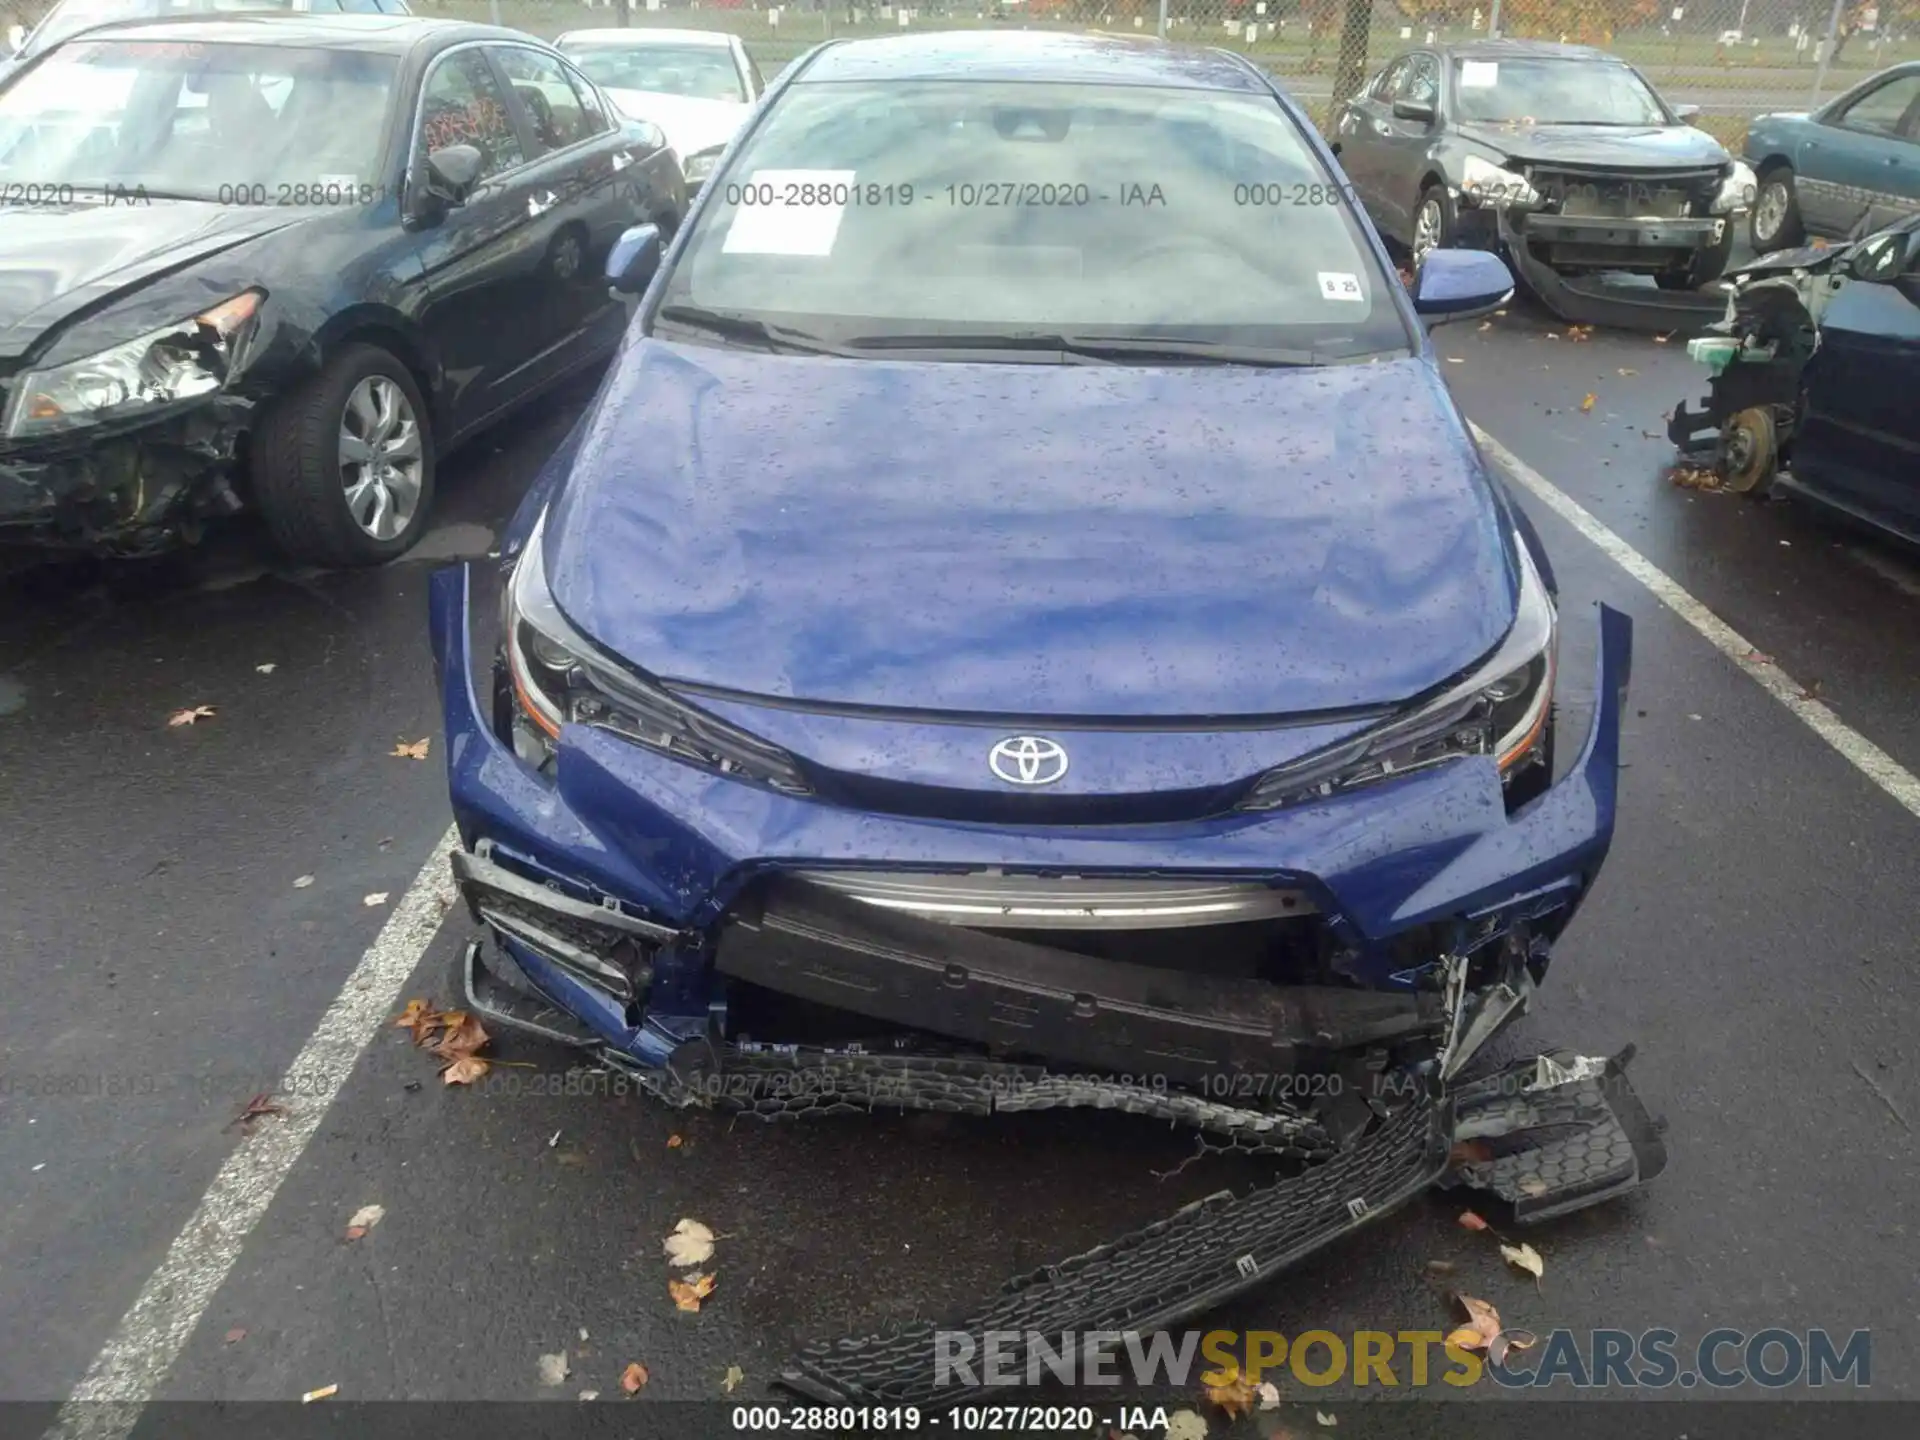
(130, 450)
(1311, 983)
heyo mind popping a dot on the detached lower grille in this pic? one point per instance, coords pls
(1664, 195)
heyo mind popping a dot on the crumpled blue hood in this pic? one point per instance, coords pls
(1039, 540)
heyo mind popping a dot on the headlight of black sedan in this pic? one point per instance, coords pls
(179, 362)
(560, 677)
(1500, 709)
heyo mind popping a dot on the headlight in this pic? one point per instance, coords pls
(1737, 190)
(1499, 710)
(698, 167)
(181, 362)
(1492, 184)
(560, 677)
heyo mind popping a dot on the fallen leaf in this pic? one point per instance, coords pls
(322, 1393)
(691, 1243)
(1525, 1257)
(1694, 477)
(1662, 339)
(1533, 1185)
(1510, 1340)
(1587, 404)
(731, 1381)
(191, 716)
(1471, 1221)
(1455, 360)
(674, 1142)
(301, 882)
(1327, 1420)
(267, 669)
(687, 1294)
(1812, 692)
(1269, 1395)
(1486, 324)
(1233, 1395)
(633, 1378)
(364, 1219)
(1186, 1425)
(421, 1018)
(415, 751)
(377, 898)
(1483, 1324)
(589, 1394)
(465, 1070)
(236, 1335)
(261, 1104)
(462, 1037)
(1628, 370)
(554, 1369)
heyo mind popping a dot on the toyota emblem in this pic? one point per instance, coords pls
(1028, 760)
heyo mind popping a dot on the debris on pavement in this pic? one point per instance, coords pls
(301, 882)
(633, 1379)
(259, 1105)
(1524, 1257)
(1694, 477)
(1874, 1085)
(1586, 405)
(1186, 1425)
(733, 1379)
(1482, 1327)
(1233, 1394)
(688, 1293)
(364, 1219)
(554, 1369)
(236, 1335)
(412, 750)
(376, 899)
(1269, 1394)
(1471, 1221)
(192, 715)
(690, 1244)
(420, 1018)
(1325, 1419)
(321, 1394)
(589, 1394)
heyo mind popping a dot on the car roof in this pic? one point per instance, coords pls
(1031, 55)
(642, 37)
(1524, 50)
(379, 34)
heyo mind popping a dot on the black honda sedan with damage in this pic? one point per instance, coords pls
(1562, 155)
(286, 263)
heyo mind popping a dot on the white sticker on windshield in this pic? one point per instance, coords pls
(1335, 285)
(788, 212)
(1479, 74)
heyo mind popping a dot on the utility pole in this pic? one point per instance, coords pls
(1160, 29)
(1351, 68)
(1826, 52)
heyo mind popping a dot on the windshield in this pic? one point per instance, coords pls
(237, 124)
(705, 72)
(961, 208)
(77, 15)
(1554, 92)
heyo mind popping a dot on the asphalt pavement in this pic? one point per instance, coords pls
(181, 905)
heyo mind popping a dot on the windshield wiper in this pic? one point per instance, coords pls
(733, 326)
(1115, 349)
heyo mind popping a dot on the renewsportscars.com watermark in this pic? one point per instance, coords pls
(1658, 1359)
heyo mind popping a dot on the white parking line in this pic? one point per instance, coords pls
(1865, 756)
(150, 1336)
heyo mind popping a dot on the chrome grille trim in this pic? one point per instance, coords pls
(997, 900)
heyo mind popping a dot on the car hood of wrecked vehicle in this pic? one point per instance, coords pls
(59, 263)
(1614, 147)
(1085, 540)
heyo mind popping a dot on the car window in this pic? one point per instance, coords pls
(232, 123)
(462, 104)
(759, 80)
(540, 83)
(983, 207)
(1390, 78)
(357, 7)
(70, 17)
(1539, 91)
(1421, 83)
(1883, 109)
(704, 72)
(594, 119)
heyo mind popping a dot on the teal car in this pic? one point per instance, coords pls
(1852, 166)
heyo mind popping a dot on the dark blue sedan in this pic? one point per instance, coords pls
(1024, 624)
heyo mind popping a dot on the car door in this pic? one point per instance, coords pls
(1361, 130)
(576, 177)
(1860, 167)
(1860, 433)
(479, 260)
(1404, 147)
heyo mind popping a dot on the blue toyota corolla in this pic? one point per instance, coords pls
(1023, 623)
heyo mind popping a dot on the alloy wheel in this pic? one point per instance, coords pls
(380, 457)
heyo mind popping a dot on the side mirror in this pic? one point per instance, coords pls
(1460, 285)
(634, 259)
(1686, 114)
(452, 173)
(1882, 259)
(1413, 110)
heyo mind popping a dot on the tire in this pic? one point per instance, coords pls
(1436, 205)
(1774, 222)
(1707, 266)
(300, 476)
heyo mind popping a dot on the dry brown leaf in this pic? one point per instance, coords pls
(1694, 477)
(1233, 1395)
(415, 751)
(1524, 1257)
(321, 1394)
(634, 1378)
(192, 715)
(1587, 404)
(733, 1379)
(465, 1070)
(364, 1219)
(1510, 1340)
(259, 1105)
(463, 1036)
(421, 1018)
(674, 1142)
(1471, 1221)
(1812, 692)
(688, 1293)
(1662, 339)
(236, 1335)
(1483, 1324)
(691, 1243)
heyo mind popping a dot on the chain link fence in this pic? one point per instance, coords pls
(1732, 58)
